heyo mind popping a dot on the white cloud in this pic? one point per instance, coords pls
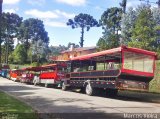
(40, 14)
(55, 24)
(73, 2)
(55, 18)
(133, 4)
(49, 14)
(11, 1)
(37, 2)
(64, 14)
(10, 10)
(99, 8)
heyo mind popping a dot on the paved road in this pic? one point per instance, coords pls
(49, 100)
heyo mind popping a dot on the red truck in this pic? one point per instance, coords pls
(122, 68)
(28, 74)
(50, 75)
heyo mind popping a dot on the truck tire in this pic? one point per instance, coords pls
(90, 90)
(64, 87)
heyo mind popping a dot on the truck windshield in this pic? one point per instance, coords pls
(138, 62)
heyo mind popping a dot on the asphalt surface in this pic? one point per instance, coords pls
(69, 103)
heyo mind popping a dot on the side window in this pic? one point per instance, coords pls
(90, 68)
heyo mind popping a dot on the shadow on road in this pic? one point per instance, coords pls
(132, 96)
(138, 96)
(54, 109)
(13, 88)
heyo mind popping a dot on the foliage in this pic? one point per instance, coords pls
(140, 27)
(11, 58)
(154, 85)
(39, 49)
(108, 42)
(143, 34)
(123, 5)
(127, 25)
(74, 45)
(32, 30)
(35, 64)
(56, 50)
(83, 21)
(156, 15)
(110, 21)
(20, 54)
(10, 22)
(101, 44)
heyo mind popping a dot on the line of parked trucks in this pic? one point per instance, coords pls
(122, 68)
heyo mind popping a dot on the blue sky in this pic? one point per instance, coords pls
(55, 14)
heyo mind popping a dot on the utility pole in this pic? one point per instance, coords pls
(1, 1)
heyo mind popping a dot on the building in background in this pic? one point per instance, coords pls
(74, 52)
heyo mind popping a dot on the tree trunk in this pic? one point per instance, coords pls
(82, 37)
(7, 53)
(0, 27)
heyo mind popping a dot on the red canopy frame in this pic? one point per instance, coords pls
(121, 50)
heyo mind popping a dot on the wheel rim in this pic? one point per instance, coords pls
(63, 86)
(46, 85)
(88, 89)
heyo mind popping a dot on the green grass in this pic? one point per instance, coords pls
(154, 85)
(11, 107)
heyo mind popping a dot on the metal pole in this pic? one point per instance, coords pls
(1, 1)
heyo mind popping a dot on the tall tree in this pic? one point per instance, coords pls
(110, 21)
(127, 25)
(20, 54)
(143, 34)
(11, 23)
(32, 30)
(83, 21)
(102, 45)
(156, 15)
(1, 1)
(123, 4)
(111, 18)
(39, 50)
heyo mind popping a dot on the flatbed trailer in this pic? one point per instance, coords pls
(15, 74)
(50, 75)
(122, 68)
(28, 74)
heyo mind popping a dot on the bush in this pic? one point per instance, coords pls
(154, 85)
(35, 64)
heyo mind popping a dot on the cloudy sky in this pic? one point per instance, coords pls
(55, 14)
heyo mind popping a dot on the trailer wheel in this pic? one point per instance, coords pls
(20, 81)
(90, 90)
(46, 85)
(64, 87)
(34, 82)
